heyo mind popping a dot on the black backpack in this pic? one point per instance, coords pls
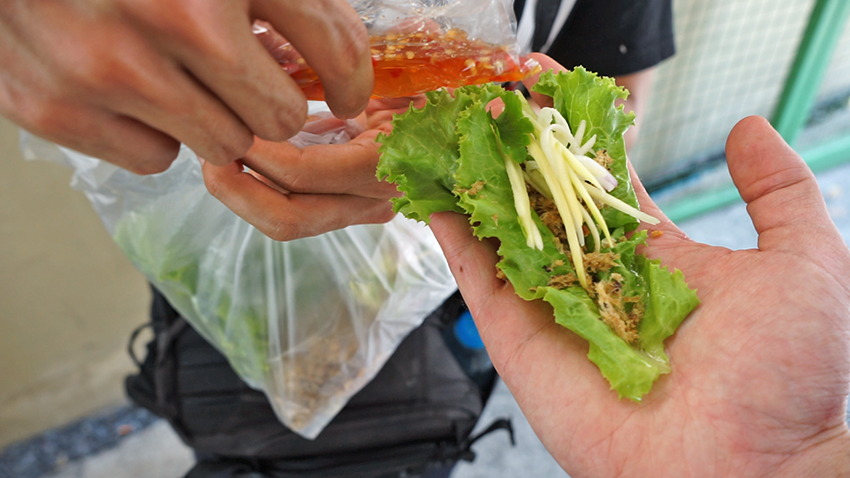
(416, 415)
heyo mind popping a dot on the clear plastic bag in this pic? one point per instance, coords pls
(423, 45)
(310, 321)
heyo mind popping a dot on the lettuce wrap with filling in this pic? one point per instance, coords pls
(552, 185)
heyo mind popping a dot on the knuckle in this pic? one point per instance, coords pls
(238, 147)
(355, 43)
(187, 23)
(84, 69)
(151, 10)
(287, 121)
(284, 229)
(226, 56)
(46, 117)
(97, 75)
(297, 182)
(37, 116)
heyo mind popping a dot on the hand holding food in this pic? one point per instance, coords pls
(760, 373)
(553, 187)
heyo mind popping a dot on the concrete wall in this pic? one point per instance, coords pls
(68, 300)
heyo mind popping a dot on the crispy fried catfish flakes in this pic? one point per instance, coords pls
(553, 186)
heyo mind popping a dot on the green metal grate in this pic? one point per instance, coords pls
(737, 58)
(732, 59)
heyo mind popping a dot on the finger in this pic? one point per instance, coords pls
(130, 78)
(546, 64)
(380, 112)
(473, 262)
(664, 241)
(274, 42)
(529, 349)
(395, 105)
(170, 101)
(215, 42)
(285, 217)
(347, 168)
(287, 57)
(116, 139)
(782, 195)
(284, 54)
(503, 318)
(341, 58)
(133, 79)
(228, 58)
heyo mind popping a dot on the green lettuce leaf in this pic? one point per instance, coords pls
(629, 370)
(491, 206)
(669, 302)
(464, 169)
(428, 137)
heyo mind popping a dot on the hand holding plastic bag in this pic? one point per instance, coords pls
(310, 321)
(309, 187)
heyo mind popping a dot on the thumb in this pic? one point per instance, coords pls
(782, 195)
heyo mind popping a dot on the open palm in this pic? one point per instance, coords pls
(760, 369)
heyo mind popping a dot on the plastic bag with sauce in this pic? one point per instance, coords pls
(423, 45)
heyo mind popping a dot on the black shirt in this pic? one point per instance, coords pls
(610, 37)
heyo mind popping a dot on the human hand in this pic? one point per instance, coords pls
(293, 193)
(127, 80)
(760, 369)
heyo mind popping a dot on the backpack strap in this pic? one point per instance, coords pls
(165, 381)
(154, 387)
(467, 454)
(134, 336)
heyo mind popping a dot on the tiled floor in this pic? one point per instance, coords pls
(156, 452)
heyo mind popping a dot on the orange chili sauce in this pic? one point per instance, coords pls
(411, 63)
